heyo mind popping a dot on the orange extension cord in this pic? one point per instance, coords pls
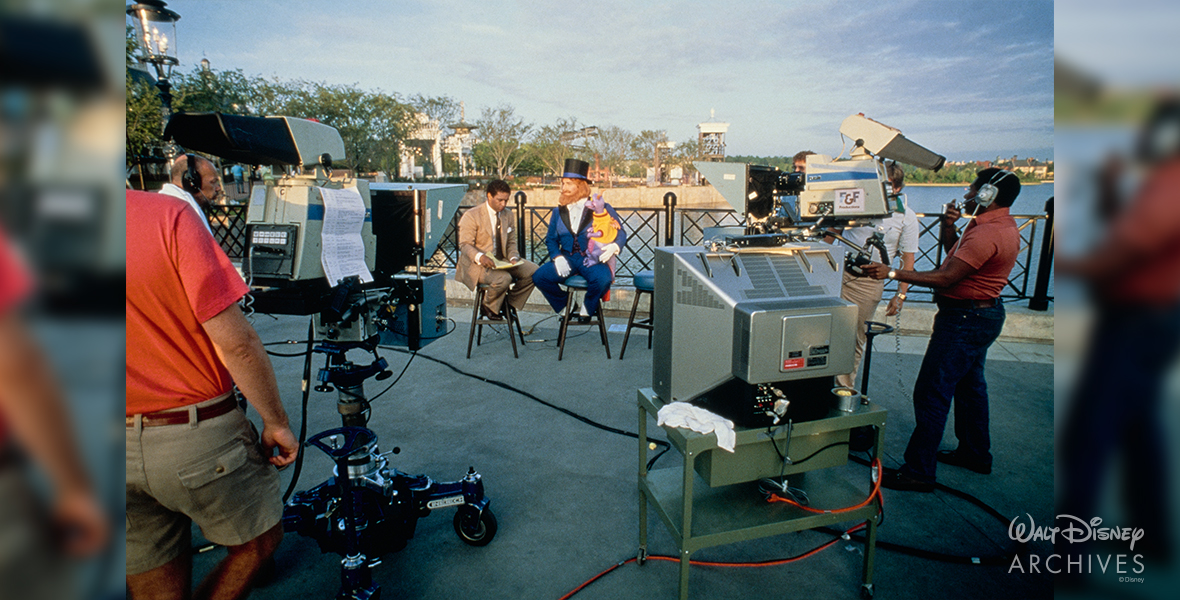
(876, 469)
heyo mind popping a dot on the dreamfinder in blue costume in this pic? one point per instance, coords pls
(568, 241)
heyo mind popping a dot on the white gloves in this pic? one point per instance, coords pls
(608, 251)
(562, 265)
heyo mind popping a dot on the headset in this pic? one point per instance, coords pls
(191, 178)
(987, 192)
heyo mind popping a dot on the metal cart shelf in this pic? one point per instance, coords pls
(721, 513)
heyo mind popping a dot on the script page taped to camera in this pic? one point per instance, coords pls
(344, 251)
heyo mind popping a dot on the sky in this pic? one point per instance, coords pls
(968, 80)
(1130, 43)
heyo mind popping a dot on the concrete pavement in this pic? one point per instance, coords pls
(564, 492)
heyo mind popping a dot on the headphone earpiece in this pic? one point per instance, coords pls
(191, 180)
(987, 192)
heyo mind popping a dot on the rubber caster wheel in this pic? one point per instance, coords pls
(475, 528)
(866, 592)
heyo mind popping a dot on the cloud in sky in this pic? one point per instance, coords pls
(967, 79)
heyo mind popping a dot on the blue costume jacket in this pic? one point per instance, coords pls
(561, 241)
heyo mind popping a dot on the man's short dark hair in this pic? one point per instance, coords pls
(498, 186)
(1009, 185)
(801, 156)
(896, 175)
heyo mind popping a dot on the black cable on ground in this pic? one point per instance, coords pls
(653, 460)
(511, 388)
(310, 341)
(399, 377)
(1005, 559)
(964, 495)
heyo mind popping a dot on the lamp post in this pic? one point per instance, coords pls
(155, 31)
(462, 138)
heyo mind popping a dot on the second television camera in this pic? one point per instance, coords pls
(840, 192)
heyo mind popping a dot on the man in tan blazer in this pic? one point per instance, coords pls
(478, 246)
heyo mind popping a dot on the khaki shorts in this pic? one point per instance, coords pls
(212, 473)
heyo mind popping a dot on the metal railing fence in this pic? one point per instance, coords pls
(649, 228)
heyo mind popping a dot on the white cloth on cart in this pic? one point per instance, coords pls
(687, 416)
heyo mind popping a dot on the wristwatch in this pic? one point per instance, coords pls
(902, 296)
(893, 274)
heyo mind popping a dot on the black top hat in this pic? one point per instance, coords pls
(576, 169)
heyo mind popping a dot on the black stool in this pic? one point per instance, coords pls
(478, 321)
(645, 283)
(573, 284)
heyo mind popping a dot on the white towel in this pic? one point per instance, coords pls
(687, 416)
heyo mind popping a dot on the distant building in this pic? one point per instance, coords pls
(1033, 167)
(711, 138)
(1027, 166)
(424, 142)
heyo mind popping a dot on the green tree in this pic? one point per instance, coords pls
(443, 109)
(144, 132)
(684, 154)
(643, 146)
(502, 134)
(144, 113)
(611, 147)
(373, 125)
(226, 92)
(530, 163)
(550, 148)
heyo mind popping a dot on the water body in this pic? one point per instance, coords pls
(930, 199)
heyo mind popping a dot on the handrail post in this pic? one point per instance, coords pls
(1040, 299)
(520, 197)
(669, 209)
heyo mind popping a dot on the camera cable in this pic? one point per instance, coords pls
(509, 387)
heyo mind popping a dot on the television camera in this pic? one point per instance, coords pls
(782, 207)
(349, 253)
(773, 287)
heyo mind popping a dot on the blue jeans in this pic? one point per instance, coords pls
(952, 369)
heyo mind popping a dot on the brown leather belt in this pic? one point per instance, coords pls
(944, 302)
(180, 416)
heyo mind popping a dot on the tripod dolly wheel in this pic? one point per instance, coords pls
(474, 527)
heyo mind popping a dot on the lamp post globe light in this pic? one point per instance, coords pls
(155, 32)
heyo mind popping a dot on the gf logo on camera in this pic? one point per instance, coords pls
(850, 200)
